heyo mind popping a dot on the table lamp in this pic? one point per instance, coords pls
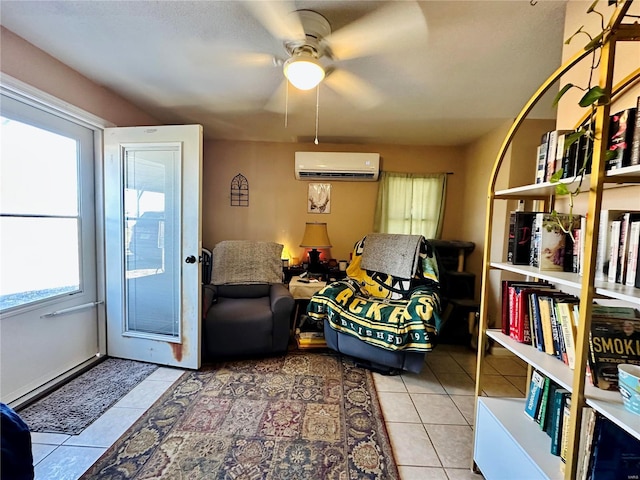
(315, 236)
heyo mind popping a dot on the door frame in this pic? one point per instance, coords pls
(34, 97)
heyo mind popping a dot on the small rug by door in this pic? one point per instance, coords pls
(76, 405)
(302, 416)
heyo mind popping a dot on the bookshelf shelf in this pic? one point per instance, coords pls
(524, 448)
(606, 402)
(573, 280)
(613, 179)
(506, 437)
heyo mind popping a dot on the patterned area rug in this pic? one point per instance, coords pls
(302, 416)
(76, 405)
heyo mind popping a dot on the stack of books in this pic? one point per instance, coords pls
(557, 152)
(605, 450)
(310, 339)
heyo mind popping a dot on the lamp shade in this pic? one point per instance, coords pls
(315, 236)
(303, 71)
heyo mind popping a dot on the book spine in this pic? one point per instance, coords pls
(561, 395)
(569, 161)
(537, 322)
(512, 237)
(555, 331)
(620, 138)
(540, 165)
(635, 143)
(603, 248)
(534, 395)
(614, 241)
(623, 248)
(551, 155)
(564, 437)
(566, 321)
(522, 237)
(634, 251)
(505, 307)
(547, 332)
(536, 229)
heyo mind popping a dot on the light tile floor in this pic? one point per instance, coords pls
(429, 417)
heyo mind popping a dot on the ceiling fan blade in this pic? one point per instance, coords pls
(277, 18)
(278, 100)
(398, 25)
(282, 101)
(356, 91)
(206, 53)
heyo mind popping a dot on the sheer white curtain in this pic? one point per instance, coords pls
(411, 203)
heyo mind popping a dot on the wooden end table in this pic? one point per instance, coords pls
(301, 291)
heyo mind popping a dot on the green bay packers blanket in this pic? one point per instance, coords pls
(392, 313)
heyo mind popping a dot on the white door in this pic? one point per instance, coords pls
(153, 243)
(48, 298)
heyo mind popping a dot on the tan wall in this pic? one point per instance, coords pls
(569, 114)
(519, 165)
(25, 62)
(518, 168)
(277, 208)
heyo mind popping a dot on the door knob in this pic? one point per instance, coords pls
(190, 259)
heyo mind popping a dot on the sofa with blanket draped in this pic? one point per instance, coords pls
(385, 314)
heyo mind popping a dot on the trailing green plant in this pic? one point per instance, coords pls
(593, 96)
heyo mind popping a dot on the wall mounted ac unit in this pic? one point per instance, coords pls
(337, 166)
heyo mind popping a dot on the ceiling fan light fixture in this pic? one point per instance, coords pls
(304, 71)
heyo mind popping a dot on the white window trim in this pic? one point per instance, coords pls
(23, 92)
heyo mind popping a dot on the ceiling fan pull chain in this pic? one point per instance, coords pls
(317, 107)
(286, 104)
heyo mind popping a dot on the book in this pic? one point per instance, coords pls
(584, 153)
(556, 332)
(549, 242)
(621, 127)
(541, 169)
(520, 322)
(616, 453)
(633, 254)
(311, 334)
(537, 321)
(559, 400)
(555, 152)
(569, 159)
(565, 308)
(534, 395)
(545, 304)
(623, 249)
(635, 143)
(603, 250)
(585, 445)
(520, 242)
(512, 237)
(506, 307)
(614, 241)
(549, 408)
(541, 418)
(614, 339)
(564, 434)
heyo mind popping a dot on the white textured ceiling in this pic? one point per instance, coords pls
(472, 66)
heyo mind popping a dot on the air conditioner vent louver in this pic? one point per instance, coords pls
(344, 166)
(342, 175)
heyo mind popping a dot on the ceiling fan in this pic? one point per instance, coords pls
(315, 51)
